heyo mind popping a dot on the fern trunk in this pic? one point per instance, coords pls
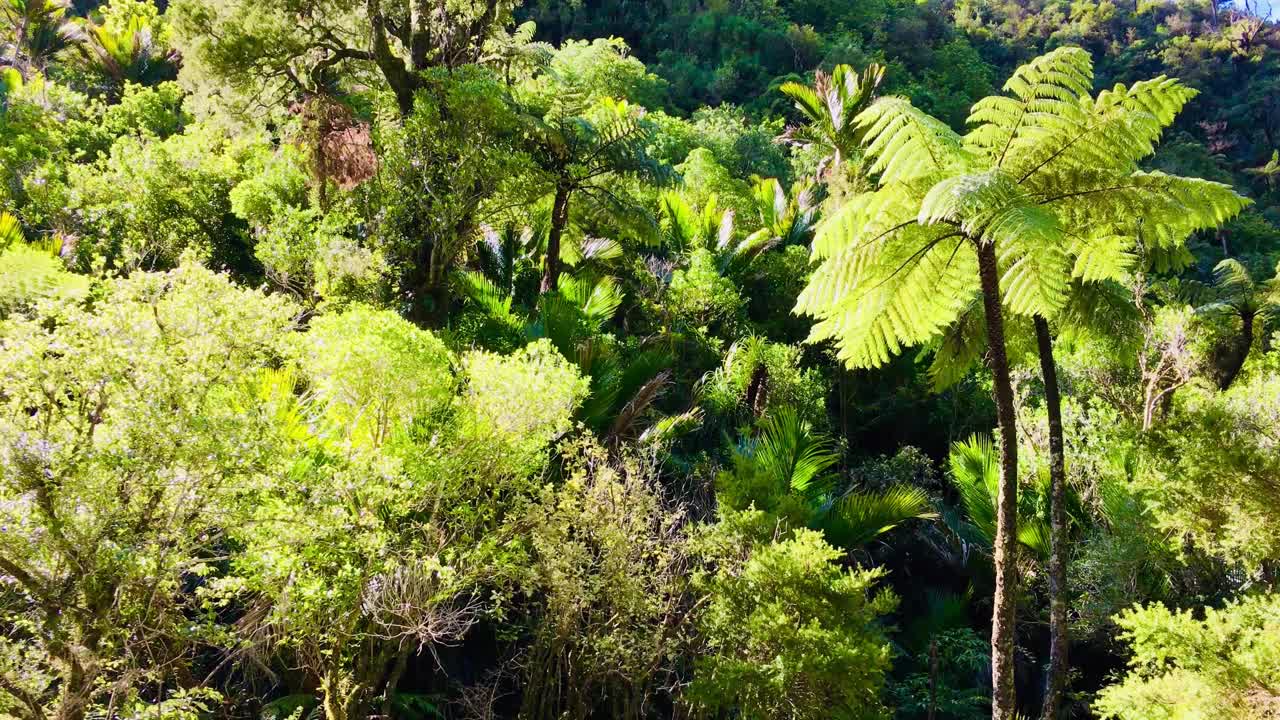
(1003, 701)
(1238, 354)
(559, 220)
(1055, 683)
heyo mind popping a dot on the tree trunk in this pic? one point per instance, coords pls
(1003, 701)
(1235, 362)
(1055, 683)
(559, 219)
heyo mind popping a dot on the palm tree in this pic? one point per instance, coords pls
(122, 54)
(785, 219)
(577, 148)
(786, 469)
(829, 108)
(1241, 297)
(975, 470)
(10, 230)
(1043, 169)
(685, 229)
(39, 28)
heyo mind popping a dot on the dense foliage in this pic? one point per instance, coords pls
(767, 359)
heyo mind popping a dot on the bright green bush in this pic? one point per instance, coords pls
(1212, 471)
(791, 634)
(1224, 664)
(128, 435)
(374, 372)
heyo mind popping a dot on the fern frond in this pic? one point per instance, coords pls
(1163, 210)
(904, 143)
(794, 456)
(903, 291)
(1109, 257)
(1121, 127)
(992, 206)
(1047, 94)
(1105, 309)
(1232, 277)
(960, 347)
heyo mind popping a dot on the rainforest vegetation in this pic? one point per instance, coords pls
(639, 359)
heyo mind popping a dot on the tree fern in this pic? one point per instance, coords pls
(1254, 304)
(1047, 173)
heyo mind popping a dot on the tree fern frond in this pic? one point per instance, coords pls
(903, 142)
(960, 347)
(1162, 209)
(1233, 277)
(1105, 309)
(904, 294)
(1046, 93)
(992, 206)
(1109, 257)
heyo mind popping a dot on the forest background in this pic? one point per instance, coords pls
(621, 359)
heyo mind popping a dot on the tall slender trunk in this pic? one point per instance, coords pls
(1056, 681)
(1003, 701)
(559, 220)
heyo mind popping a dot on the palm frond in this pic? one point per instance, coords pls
(857, 518)
(10, 230)
(792, 455)
(975, 470)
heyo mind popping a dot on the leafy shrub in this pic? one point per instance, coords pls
(791, 634)
(1213, 470)
(137, 405)
(1226, 665)
(608, 568)
(373, 372)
